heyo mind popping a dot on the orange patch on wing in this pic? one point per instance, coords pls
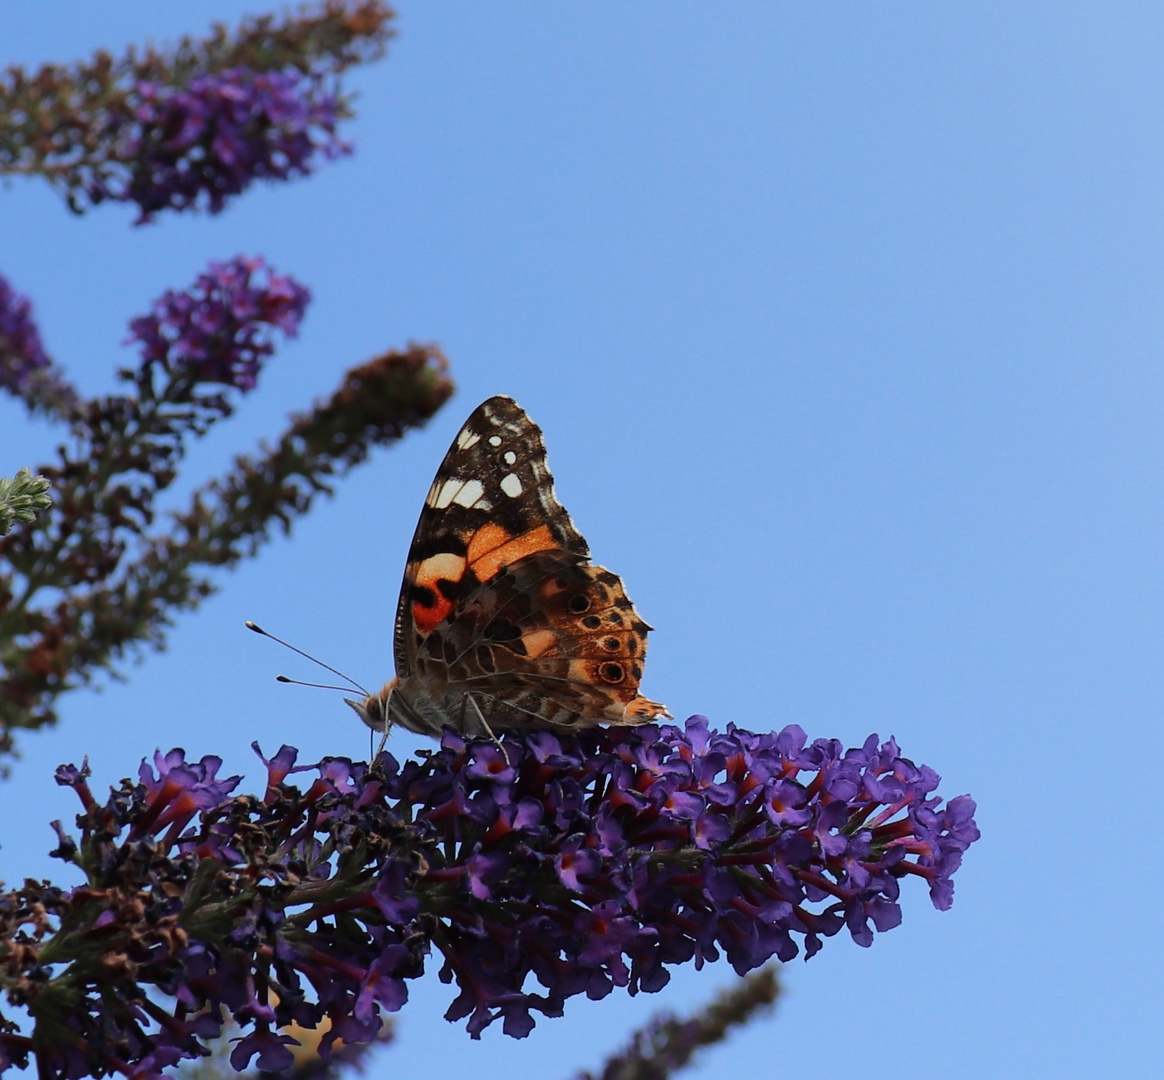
(491, 548)
(443, 567)
(486, 539)
(582, 671)
(428, 617)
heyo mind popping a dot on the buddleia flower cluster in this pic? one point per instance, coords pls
(210, 139)
(193, 125)
(21, 349)
(219, 330)
(529, 873)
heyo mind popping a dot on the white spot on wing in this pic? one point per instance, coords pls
(467, 438)
(470, 493)
(461, 492)
(511, 485)
(444, 565)
(510, 457)
(441, 498)
(494, 440)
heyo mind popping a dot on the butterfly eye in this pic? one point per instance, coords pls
(612, 673)
(578, 604)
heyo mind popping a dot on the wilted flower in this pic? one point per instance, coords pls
(218, 330)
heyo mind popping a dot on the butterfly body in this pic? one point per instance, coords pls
(503, 622)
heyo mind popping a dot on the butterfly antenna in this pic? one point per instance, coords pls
(315, 685)
(307, 656)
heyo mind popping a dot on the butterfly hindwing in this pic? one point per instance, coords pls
(551, 641)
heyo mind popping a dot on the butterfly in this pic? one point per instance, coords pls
(503, 622)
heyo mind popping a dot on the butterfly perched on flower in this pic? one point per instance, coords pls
(503, 622)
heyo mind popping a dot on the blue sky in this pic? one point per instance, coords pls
(843, 325)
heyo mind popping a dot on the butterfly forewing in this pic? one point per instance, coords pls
(501, 614)
(492, 502)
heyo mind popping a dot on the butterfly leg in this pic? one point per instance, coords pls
(472, 700)
(387, 722)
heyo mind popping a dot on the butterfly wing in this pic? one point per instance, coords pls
(501, 614)
(492, 502)
(551, 641)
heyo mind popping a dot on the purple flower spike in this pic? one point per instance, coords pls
(565, 865)
(218, 331)
(202, 144)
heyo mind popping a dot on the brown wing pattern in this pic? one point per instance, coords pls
(491, 504)
(550, 641)
(502, 617)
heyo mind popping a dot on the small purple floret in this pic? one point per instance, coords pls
(180, 789)
(270, 1047)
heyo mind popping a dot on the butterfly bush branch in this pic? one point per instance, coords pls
(377, 404)
(123, 450)
(668, 1043)
(98, 579)
(230, 518)
(561, 866)
(195, 124)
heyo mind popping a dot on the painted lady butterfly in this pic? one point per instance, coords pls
(503, 622)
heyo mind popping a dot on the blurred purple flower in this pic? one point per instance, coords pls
(21, 350)
(219, 330)
(206, 141)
